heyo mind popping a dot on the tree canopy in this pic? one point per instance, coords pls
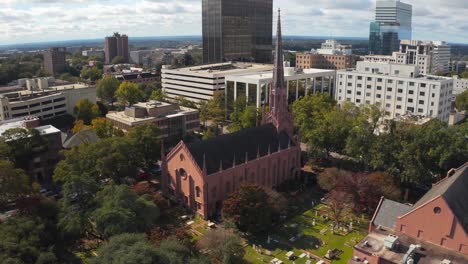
(106, 88)
(14, 183)
(128, 94)
(461, 101)
(85, 110)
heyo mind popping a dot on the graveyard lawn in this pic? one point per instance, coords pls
(316, 239)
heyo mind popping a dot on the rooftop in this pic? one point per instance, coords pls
(223, 69)
(21, 123)
(373, 244)
(289, 72)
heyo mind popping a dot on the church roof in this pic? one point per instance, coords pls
(248, 142)
(454, 190)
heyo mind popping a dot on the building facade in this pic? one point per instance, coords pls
(201, 83)
(54, 60)
(237, 30)
(94, 52)
(137, 77)
(309, 60)
(116, 45)
(383, 38)
(256, 87)
(398, 89)
(172, 119)
(46, 102)
(202, 175)
(438, 222)
(460, 85)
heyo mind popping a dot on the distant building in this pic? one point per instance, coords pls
(333, 47)
(54, 60)
(93, 52)
(41, 166)
(116, 45)
(457, 66)
(200, 83)
(203, 174)
(140, 56)
(398, 89)
(43, 101)
(256, 86)
(173, 120)
(393, 22)
(310, 60)
(238, 30)
(460, 85)
(434, 230)
(431, 56)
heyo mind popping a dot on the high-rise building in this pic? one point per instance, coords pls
(116, 45)
(54, 60)
(238, 30)
(392, 23)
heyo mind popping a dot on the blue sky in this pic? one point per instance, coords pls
(50, 20)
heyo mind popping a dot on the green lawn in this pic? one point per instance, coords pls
(302, 224)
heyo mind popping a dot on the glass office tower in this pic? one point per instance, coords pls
(239, 30)
(383, 38)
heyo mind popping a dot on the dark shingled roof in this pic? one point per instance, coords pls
(224, 148)
(84, 136)
(389, 211)
(454, 190)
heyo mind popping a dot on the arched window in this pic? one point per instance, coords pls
(197, 191)
(183, 174)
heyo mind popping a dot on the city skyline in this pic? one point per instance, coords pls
(24, 21)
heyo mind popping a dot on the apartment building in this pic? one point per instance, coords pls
(200, 83)
(43, 101)
(460, 85)
(331, 55)
(54, 60)
(116, 45)
(398, 89)
(431, 56)
(172, 119)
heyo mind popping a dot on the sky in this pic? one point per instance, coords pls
(23, 21)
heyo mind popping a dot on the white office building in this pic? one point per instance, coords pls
(200, 83)
(43, 101)
(333, 47)
(431, 56)
(256, 86)
(395, 12)
(460, 85)
(398, 89)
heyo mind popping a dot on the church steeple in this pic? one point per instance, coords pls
(279, 114)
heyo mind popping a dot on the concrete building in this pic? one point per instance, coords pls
(256, 86)
(116, 45)
(42, 164)
(431, 56)
(398, 89)
(137, 77)
(438, 223)
(172, 119)
(238, 30)
(203, 174)
(200, 83)
(333, 47)
(460, 85)
(94, 52)
(43, 101)
(54, 60)
(140, 56)
(393, 22)
(457, 66)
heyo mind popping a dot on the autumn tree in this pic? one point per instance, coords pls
(14, 183)
(128, 94)
(222, 246)
(85, 110)
(328, 179)
(158, 95)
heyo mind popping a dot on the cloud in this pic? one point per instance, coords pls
(42, 20)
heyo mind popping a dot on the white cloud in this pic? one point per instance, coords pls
(42, 20)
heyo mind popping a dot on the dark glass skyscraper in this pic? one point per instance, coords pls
(237, 30)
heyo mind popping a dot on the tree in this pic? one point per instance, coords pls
(146, 138)
(106, 88)
(216, 111)
(118, 60)
(223, 246)
(337, 202)
(182, 101)
(128, 248)
(24, 144)
(250, 116)
(85, 110)
(128, 94)
(91, 73)
(329, 178)
(461, 101)
(120, 210)
(13, 182)
(158, 95)
(251, 209)
(103, 128)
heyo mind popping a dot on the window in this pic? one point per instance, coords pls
(379, 80)
(369, 86)
(388, 105)
(401, 82)
(378, 96)
(379, 88)
(197, 191)
(183, 174)
(400, 90)
(411, 84)
(389, 89)
(350, 84)
(348, 91)
(181, 157)
(359, 77)
(397, 72)
(421, 102)
(358, 93)
(422, 93)
(389, 97)
(350, 76)
(398, 107)
(367, 102)
(411, 92)
(359, 85)
(358, 101)
(369, 78)
(423, 85)
(410, 100)
(368, 94)
(420, 110)
(389, 81)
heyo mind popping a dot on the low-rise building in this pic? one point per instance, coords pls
(41, 166)
(434, 230)
(138, 77)
(172, 119)
(299, 82)
(460, 85)
(398, 89)
(200, 83)
(310, 60)
(43, 101)
(93, 52)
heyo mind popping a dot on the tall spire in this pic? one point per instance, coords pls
(278, 76)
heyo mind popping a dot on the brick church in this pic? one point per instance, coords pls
(202, 175)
